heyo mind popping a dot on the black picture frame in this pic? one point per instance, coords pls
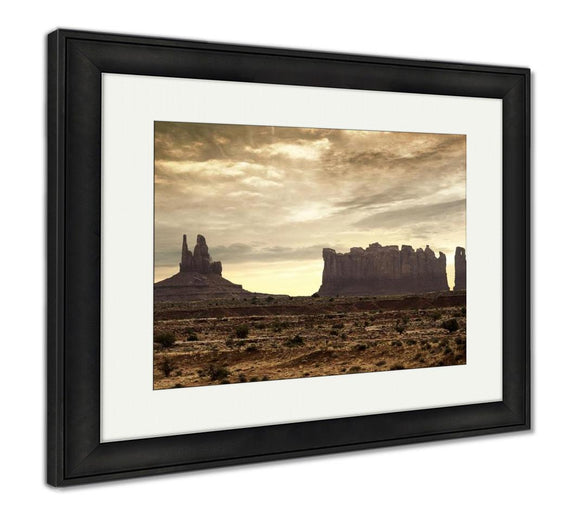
(75, 62)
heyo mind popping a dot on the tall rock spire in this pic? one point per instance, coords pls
(200, 260)
(460, 269)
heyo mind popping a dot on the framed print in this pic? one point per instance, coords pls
(259, 253)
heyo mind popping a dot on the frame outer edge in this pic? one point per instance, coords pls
(54, 257)
(56, 277)
(528, 230)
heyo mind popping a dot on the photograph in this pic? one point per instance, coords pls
(298, 252)
(271, 250)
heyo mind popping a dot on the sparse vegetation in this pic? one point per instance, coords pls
(450, 325)
(310, 337)
(295, 342)
(218, 373)
(436, 315)
(278, 326)
(166, 340)
(242, 331)
(167, 366)
(400, 327)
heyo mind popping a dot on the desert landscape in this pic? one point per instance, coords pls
(336, 252)
(259, 339)
(229, 335)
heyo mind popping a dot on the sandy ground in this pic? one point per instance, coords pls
(244, 341)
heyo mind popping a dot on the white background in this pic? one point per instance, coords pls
(526, 470)
(130, 409)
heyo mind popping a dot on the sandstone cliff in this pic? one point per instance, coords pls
(383, 270)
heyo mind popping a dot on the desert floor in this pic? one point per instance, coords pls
(258, 339)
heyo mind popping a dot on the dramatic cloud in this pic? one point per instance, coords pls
(268, 199)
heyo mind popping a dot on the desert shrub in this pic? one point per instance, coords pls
(355, 369)
(242, 331)
(360, 347)
(450, 325)
(218, 372)
(242, 378)
(278, 326)
(178, 385)
(447, 350)
(167, 366)
(193, 337)
(411, 342)
(463, 311)
(269, 299)
(398, 366)
(403, 318)
(343, 336)
(252, 348)
(339, 325)
(254, 300)
(331, 299)
(436, 315)
(230, 342)
(265, 378)
(400, 327)
(333, 332)
(396, 343)
(165, 339)
(296, 341)
(381, 363)
(254, 379)
(316, 295)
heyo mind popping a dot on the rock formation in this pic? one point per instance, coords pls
(383, 270)
(460, 269)
(198, 278)
(199, 261)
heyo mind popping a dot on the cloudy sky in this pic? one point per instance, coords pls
(268, 199)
